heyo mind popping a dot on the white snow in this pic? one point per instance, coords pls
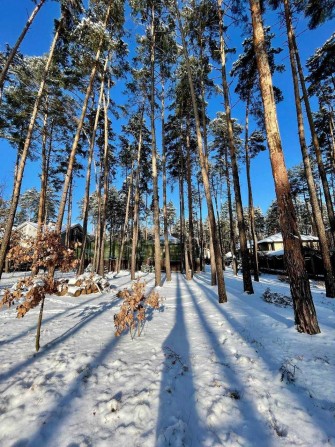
(201, 374)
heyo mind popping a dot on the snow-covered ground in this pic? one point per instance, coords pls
(201, 374)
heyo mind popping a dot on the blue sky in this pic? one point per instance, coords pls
(14, 15)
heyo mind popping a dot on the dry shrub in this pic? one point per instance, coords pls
(132, 313)
(31, 290)
(44, 251)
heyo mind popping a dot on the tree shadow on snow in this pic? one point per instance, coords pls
(178, 421)
(250, 425)
(266, 355)
(62, 408)
(45, 350)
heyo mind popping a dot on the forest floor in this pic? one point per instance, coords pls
(201, 374)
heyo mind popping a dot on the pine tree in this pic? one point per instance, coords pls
(304, 311)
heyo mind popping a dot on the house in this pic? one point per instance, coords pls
(76, 235)
(171, 239)
(27, 229)
(275, 242)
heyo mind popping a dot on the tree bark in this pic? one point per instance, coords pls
(201, 236)
(125, 225)
(166, 233)
(189, 198)
(231, 219)
(136, 202)
(250, 198)
(304, 311)
(105, 183)
(188, 272)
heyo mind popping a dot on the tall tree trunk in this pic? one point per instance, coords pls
(25, 152)
(154, 151)
(69, 215)
(250, 198)
(136, 202)
(201, 237)
(17, 45)
(329, 271)
(231, 217)
(105, 183)
(205, 150)
(189, 197)
(80, 126)
(215, 195)
(44, 176)
(188, 272)
(247, 281)
(124, 230)
(88, 172)
(97, 245)
(321, 167)
(165, 216)
(304, 311)
(218, 259)
(42, 198)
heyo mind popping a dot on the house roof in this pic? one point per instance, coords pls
(27, 222)
(77, 225)
(172, 239)
(279, 238)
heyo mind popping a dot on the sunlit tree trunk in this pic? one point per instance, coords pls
(231, 217)
(166, 233)
(188, 272)
(304, 311)
(105, 183)
(189, 198)
(201, 236)
(250, 198)
(69, 215)
(136, 201)
(124, 230)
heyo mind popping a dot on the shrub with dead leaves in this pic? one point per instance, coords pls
(44, 251)
(28, 293)
(132, 314)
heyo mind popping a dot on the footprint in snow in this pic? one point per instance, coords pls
(142, 414)
(173, 435)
